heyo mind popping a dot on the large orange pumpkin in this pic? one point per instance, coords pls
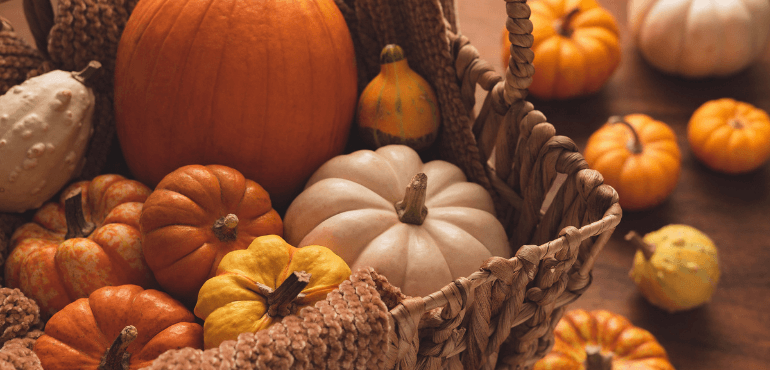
(266, 87)
(87, 240)
(195, 216)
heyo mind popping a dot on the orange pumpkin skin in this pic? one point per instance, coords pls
(78, 336)
(54, 271)
(643, 176)
(631, 347)
(730, 136)
(181, 244)
(250, 85)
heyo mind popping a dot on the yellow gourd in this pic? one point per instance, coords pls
(676, 267)
(398, 106)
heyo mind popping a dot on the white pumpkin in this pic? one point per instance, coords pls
(45, 126)
(700, 38)
(353, 205)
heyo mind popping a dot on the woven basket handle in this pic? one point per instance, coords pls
(518, 75)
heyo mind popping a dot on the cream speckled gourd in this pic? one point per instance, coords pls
(422, 225)
(45, 125)
(676, 267)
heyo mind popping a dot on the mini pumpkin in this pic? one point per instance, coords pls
(576, 46)
(117, 328)
(602, 340)
(45, 125)
(398, 106)
(195, 216)
(420, 224)
(257, 287)
(87, 240)
(638, 156)
(688, 38)
(676, 267)
(730, 136)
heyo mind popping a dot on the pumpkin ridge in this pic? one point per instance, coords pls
(438, 243)
(612, 343)
(209, 139)
(331, 39)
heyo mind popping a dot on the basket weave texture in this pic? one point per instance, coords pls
(558, 214)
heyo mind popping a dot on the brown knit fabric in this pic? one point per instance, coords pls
(17, 58)
(18, 314)
(86, 30)
(347, 330)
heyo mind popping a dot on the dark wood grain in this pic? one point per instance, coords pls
(733, 330)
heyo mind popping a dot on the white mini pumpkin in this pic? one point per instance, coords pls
(700, 38)
(350, 206)
(45, 125)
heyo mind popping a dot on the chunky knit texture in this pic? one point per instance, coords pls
(17, 57)
(348, 330)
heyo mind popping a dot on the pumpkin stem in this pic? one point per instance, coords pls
(116, 357)
(77, 225)
(86, 73)
(412, 209)
(736, 124)
(226, 228)
(280, 300)
(563, 25)
(391, 53)
(634, 146)
(596, 360)
(647, 249)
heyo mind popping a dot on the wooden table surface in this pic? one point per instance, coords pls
(733, 330)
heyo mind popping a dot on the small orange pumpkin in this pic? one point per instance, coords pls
(602, 340)
(195, 216)
(95, 332)
(576, 46)
(87, 240)
(730, 136)
(638, 156)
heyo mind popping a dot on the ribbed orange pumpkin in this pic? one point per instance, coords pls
(266, 87)
(602, 340)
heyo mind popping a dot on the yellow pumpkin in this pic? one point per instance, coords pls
(602, 340)
(576, 46)
(676, 267)
(730, 136)
(638, 156)
(258, 286)
(398, 106)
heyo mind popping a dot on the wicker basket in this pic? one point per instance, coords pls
(557, 213)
